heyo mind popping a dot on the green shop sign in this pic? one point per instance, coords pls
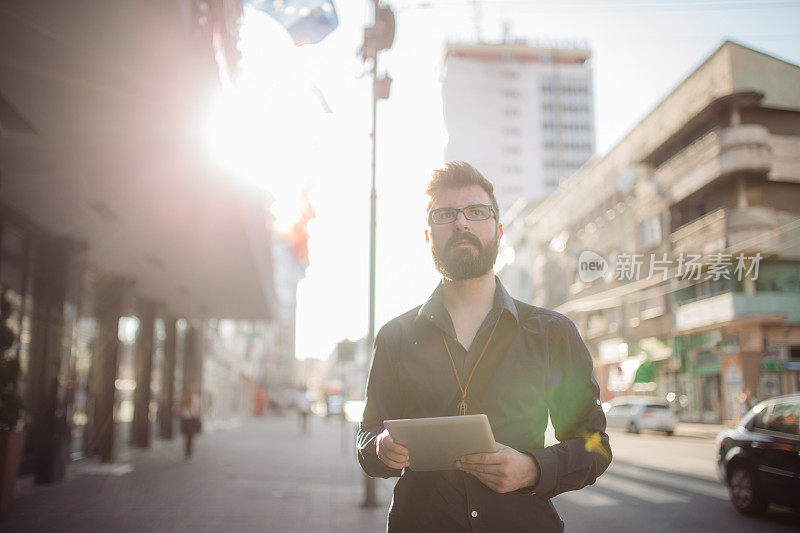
(772, 365)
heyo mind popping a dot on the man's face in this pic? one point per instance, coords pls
(464, 249)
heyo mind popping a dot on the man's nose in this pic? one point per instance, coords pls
(459, 223)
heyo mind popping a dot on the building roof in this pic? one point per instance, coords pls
(519, 51)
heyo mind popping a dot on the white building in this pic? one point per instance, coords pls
(523, 115)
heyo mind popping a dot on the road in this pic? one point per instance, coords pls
(264, 476)
(661, 483)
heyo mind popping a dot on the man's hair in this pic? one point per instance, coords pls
(457, 174)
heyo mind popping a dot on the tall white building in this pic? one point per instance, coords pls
(523, 115)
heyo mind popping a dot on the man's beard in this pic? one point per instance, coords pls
(457, 264)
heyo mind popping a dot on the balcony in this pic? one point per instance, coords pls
(734, 305)
(748, 230)
(746, 147)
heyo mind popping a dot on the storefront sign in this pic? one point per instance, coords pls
(772, 365)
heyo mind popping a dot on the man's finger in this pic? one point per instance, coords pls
(397, 457)
(481, 468)
(385, 443)
(395, 464)
(483, 458)
(397, 448)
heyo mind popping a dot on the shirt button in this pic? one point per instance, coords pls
(474, 514)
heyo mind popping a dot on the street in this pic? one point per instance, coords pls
(262, 475)
(660, 483)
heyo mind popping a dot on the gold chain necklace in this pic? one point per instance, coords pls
(462, 405)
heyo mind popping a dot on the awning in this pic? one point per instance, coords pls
(116, 100)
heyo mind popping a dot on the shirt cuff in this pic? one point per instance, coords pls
(548, 470)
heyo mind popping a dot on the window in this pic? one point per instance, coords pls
(759, 420)
(613, 319)
(650, 232)
(510, 93)
(509, 75)
(596, 323)
(511, 131)
(779, 276)
(784, 417)
(511, 112)
(781, 417)
(651, 307)
(511, 150)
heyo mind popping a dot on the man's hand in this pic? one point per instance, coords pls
(505, 470)
(392, 454)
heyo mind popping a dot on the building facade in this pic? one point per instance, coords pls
(682, 267)
(121, 247)
(522, 114)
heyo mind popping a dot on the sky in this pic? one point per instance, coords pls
(299, 120)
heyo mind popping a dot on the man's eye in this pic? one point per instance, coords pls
(477, 211)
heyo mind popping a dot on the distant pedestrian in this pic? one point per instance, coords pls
(191, 423)
(746, 402)
(303, 409)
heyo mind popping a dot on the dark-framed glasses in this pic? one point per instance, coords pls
(446, 215)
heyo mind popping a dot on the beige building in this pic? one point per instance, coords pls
(678, 252)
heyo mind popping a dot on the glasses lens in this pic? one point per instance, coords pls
(444, 215)
(477, 212)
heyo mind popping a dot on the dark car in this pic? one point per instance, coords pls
(759, 459)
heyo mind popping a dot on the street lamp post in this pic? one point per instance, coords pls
(379, 37)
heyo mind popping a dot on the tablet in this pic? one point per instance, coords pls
(436, 443)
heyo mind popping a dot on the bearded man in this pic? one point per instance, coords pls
(472, 348)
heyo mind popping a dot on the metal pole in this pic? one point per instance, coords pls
(369, 482)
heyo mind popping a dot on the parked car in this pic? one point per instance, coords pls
(759, 458)
(636, 413)
(335, 404)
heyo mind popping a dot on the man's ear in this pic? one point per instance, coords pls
(427, 237)
(499, 231)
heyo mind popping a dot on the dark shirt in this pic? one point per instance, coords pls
(545, 367)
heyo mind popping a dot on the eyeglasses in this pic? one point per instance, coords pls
(446, 215)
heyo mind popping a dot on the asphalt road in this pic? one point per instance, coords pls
(660, 483)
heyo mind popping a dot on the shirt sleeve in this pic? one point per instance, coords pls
(381, 400)
(573, 399)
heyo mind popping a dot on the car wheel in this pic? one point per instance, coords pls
(670, 432)
(632, 427)
(745, 495)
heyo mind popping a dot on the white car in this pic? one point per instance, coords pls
(636, 413)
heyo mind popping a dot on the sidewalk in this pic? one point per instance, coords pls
(260, 476)
(703, 431)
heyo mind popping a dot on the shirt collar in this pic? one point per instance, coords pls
(433, 309)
